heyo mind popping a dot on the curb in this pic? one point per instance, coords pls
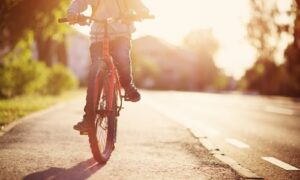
(11, 125)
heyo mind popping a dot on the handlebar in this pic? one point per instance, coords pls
(131, 18)
(63, 20)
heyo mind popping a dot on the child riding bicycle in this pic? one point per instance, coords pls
(120, 39)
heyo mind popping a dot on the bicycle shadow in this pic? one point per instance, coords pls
(82, 170)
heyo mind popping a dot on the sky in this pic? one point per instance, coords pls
(227, 18)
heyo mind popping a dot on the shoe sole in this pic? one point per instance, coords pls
(133, 100)
(81, 131)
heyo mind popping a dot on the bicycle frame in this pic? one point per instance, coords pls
(112, 73)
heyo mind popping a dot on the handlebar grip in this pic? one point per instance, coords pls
(63, 20)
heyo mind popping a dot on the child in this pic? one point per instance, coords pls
(120, 39)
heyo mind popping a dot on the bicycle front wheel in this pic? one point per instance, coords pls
(102, 122)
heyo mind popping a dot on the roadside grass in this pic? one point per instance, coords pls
(15, 108)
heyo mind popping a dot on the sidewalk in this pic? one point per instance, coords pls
(150, 146)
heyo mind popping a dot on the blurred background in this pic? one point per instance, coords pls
(233, 67)
(249, 46)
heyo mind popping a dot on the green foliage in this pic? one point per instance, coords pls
(14, 108)
(19, 74)
(22, 77)
(16, 16)
(20, 106)
(47, 22)
(22, 23)
(60, 79)
(28, 77)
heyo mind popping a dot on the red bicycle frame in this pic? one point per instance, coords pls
(112, 74)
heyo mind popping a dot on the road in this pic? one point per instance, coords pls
(150, 146)
(260, 133)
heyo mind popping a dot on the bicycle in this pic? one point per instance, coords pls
(104, 98)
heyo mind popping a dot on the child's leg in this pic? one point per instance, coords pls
(121, 54)
(95, 53)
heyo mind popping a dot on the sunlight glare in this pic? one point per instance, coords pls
(176, 18)
(227, 19)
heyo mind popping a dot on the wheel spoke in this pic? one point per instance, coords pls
(102, 133)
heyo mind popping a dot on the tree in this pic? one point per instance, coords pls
(265, 32)
(292, 54)
(205, 45)
(40, 16)
(265, 77)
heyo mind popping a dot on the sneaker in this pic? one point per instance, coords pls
(132, 94)
(81, 126)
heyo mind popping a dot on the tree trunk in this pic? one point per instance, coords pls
(297, 27)
(62, 53)
(44, 50)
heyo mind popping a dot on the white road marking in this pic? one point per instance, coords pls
(281, 164)
(279, 110)
(237, 143)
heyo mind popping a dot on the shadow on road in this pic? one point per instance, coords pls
(82, 170)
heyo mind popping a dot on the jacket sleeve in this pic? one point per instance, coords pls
(78, 6)
(138, 6)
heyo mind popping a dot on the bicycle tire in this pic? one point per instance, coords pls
(101, 154)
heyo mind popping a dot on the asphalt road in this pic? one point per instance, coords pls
(150, 146)
(260, 133)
